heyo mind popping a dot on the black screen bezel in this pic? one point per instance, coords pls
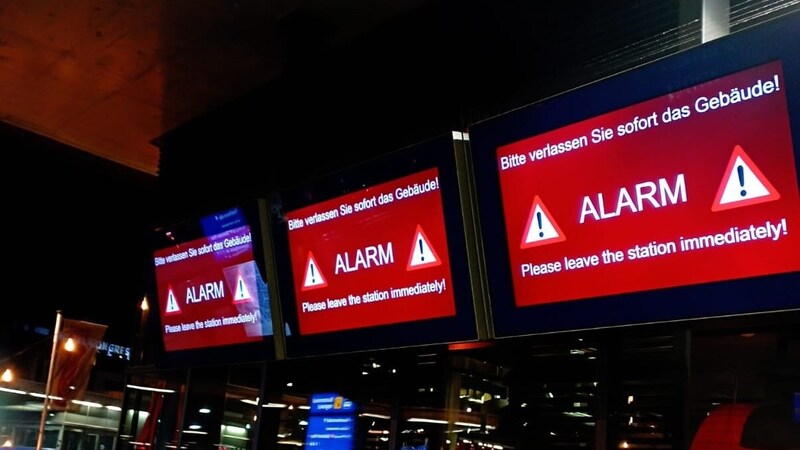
(187, 231)
(439, 152)
(769, 294)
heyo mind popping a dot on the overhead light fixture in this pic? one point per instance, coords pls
(473, 425)
(151, 389)
(12, 391)
(85, 403)
(423, 420)
(377, 416)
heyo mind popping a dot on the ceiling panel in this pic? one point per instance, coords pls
(111, 77)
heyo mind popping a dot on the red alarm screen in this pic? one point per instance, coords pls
(691, 187)
(211, 292)
(373, 257)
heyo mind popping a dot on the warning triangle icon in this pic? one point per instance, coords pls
(313, 278)
(422, 252)
(172, 303)
(242, 293)
(743, 184)
(541, 229)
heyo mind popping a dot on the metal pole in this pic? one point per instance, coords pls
(46, 406)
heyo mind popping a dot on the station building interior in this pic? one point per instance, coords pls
(703, 382)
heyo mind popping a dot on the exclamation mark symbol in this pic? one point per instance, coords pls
(313, 277)
(539, 219)
(421, 250)
(740, 171)
(241, 285)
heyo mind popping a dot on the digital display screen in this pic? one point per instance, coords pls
(331, 404)
(331, 422)
(694, 186)
(210, 290)
(667, 192)
(375, 256)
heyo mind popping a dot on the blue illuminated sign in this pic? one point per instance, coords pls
(331, 423)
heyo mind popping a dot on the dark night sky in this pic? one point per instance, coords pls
(77, 229)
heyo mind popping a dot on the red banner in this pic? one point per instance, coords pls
(74, 359)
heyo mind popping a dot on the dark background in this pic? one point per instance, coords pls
(79, 227)
(76, 237)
